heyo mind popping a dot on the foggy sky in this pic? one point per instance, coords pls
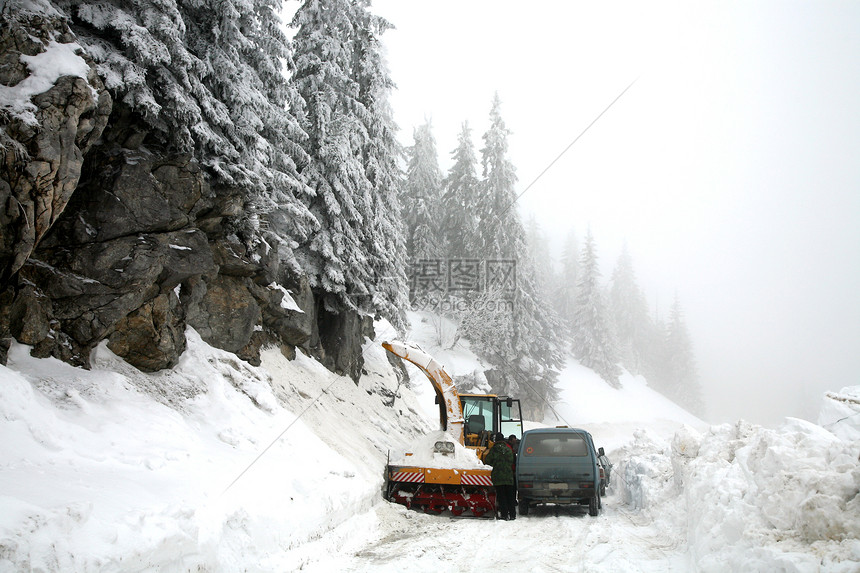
(731, 168)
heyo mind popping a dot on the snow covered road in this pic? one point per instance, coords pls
(549, 539)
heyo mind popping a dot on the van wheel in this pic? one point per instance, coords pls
(593, 505)
(524, 507)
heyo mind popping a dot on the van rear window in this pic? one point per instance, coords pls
(555, 445)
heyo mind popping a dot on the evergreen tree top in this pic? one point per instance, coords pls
(494, 160)
(206, 79)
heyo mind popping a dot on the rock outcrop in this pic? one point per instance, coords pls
(106, 235)
(43, 147)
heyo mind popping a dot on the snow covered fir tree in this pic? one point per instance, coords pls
(205, 81)
(593, 341)
(264, 199)
(677, 376)
(629, 310)
(356, 254)
(468, 244)
(460, 198)
(422, 198)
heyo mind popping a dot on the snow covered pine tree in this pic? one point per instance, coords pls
(593, 338)
(356, 257)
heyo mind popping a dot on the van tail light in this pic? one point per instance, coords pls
(526, 484)
(588, 485)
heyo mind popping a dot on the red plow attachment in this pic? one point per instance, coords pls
(438, 490)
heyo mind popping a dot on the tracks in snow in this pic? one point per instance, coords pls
(549, 539)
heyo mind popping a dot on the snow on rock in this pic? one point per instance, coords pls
(56, 61)
(421, 453)
(287, 302)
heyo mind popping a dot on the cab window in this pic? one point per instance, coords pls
(478, 414)
(511, 422)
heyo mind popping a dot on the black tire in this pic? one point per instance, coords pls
(594, 505)
(524, 507)
(603, 490)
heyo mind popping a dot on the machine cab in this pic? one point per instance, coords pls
(485, 415)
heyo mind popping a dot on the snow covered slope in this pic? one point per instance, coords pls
(221, 466)
(613, 415)
(113, 469)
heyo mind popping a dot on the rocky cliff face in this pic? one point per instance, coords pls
(106, 235)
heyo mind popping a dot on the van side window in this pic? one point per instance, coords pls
(555, 445)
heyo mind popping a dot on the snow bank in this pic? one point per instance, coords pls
(615, 415)
(840, 413)
(747, 498)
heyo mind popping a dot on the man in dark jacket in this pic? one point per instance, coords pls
(501, 457)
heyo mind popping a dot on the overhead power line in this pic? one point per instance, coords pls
(565, 150)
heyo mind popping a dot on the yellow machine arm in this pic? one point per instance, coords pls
(450, 410)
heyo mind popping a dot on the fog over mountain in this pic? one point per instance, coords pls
(729, 167)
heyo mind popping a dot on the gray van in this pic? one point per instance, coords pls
(558, 465)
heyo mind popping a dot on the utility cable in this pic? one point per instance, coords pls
(547, 168)
(571, 144)
(266, 449)
(520, 377)
(841, 420)
(290, 425)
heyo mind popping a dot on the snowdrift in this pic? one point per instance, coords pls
(747, 498)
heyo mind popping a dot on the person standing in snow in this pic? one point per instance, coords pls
(501, 457)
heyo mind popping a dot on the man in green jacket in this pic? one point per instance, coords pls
(501, 457)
